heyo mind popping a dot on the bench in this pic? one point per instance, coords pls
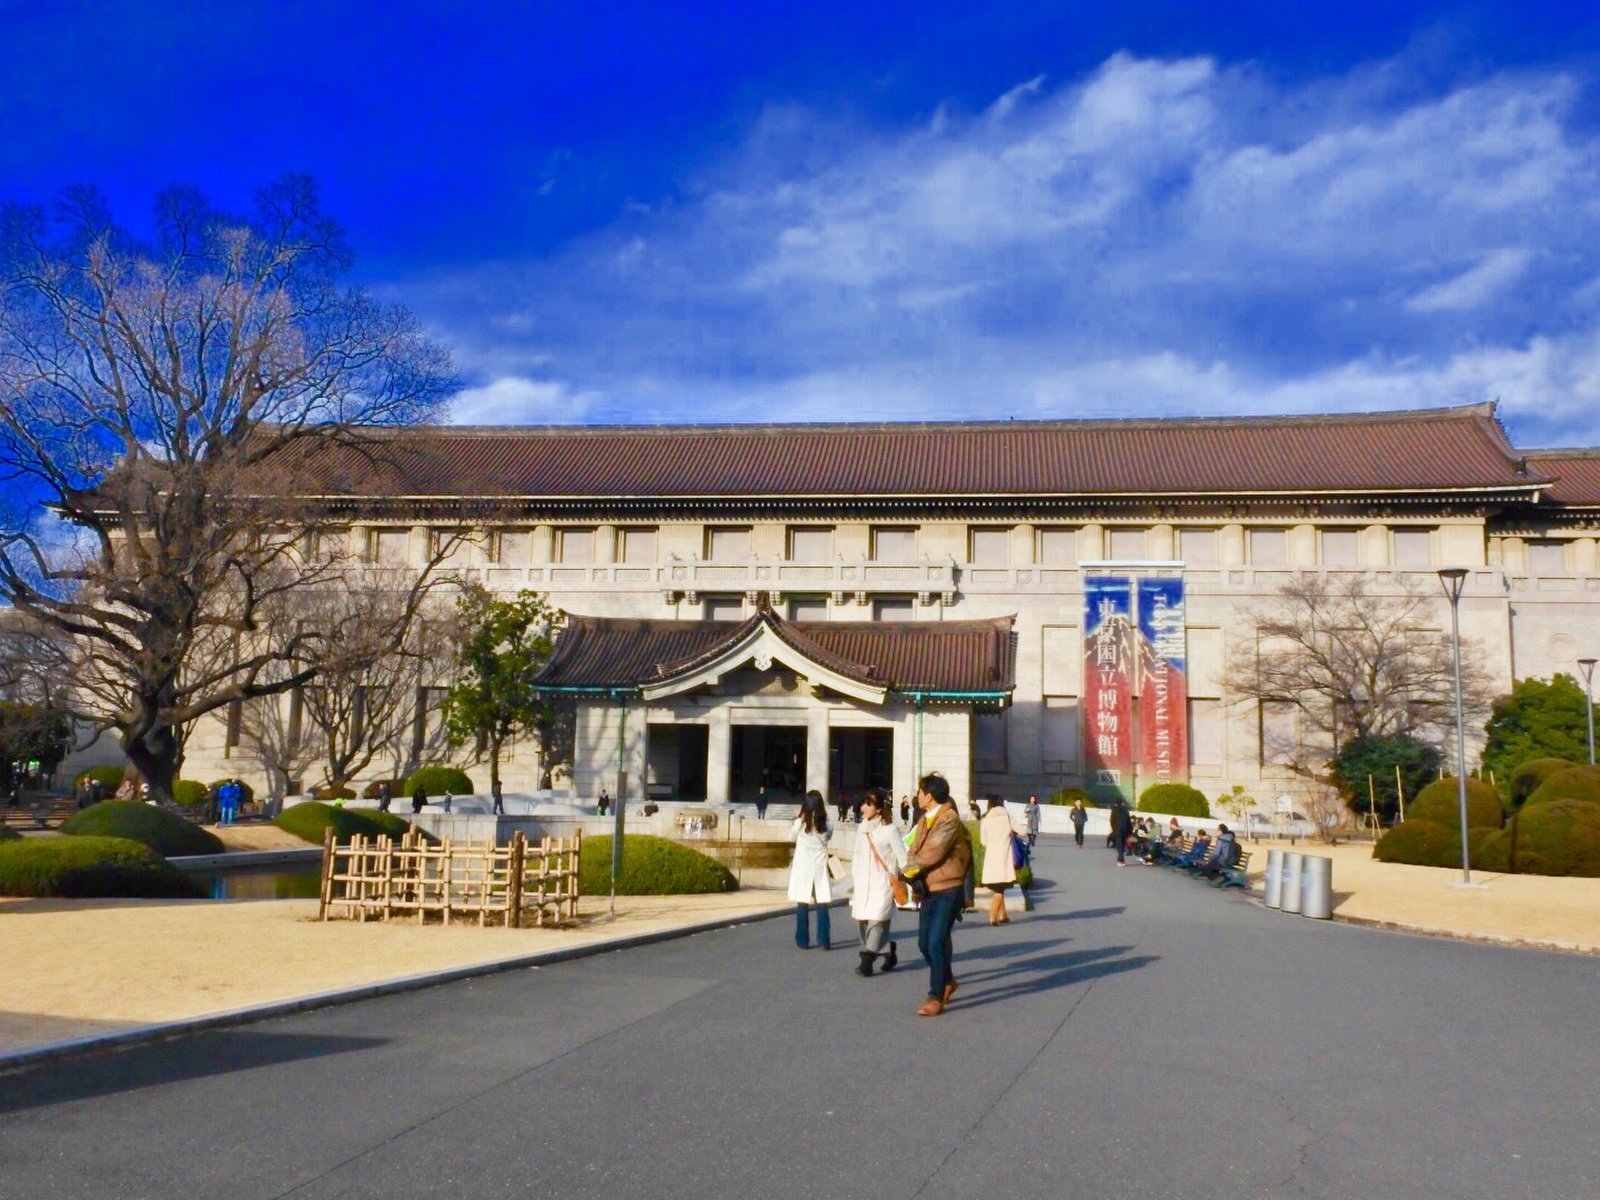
(1237, 875)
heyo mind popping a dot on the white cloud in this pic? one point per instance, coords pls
(512, 400)
(1475, 286)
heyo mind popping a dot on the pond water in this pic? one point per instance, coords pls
(288, 881)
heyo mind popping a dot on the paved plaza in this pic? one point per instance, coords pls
(1138, 1035)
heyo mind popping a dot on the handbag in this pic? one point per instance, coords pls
(836, 867)
(1019, 852)
(897, 886)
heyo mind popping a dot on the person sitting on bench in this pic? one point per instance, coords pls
(1197, 852)
(1224, 854)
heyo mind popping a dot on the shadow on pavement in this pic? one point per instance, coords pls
(1008, 949)
(1082, 914)
(1044, 974)
(165, 1062)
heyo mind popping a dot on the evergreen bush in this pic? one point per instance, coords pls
(436, 781)
(1559, 837)
(307, 821)
(1067, 797)
(1439, 803)
(1490, 849)
(89, 866)
(109, 778)
(1526, 778)
(651, 866)
(164, 832)
(397, 788)
(1174, 799)
(188, 794)
(1575, 783)
(1421, 843)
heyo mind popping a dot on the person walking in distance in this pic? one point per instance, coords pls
(999, 871)
(1033, 820)
(385, 796)
(498, 791)
(808, 872)
(1121, 829)
(937, 863)
(879, 856)
(1080, 817)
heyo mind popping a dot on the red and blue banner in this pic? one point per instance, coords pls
(1108, 676)
(1163, 684)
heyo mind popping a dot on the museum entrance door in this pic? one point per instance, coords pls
(773, 756)
(859, 759)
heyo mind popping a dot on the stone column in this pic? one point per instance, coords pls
(719, 741)
(540, 549)
(1586, 556)
(817, 749)
(1303, 546)
(1230, 546)
(1161, 543)
(1092, 542)
(1375, 546)
(605, 544)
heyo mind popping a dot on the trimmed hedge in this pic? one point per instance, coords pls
(1422, 844)
(436, 781)
(89, 866)
(1439, 803)
(164, 832)
(397, 788)
(1174, 799)
(188, 793)
(110, 778)
(1560, 837)
(1575, 783)
(651, 866)
(1067, 797)
(1491, 849)
(247, 794)
(307, 821)
(1526, 778)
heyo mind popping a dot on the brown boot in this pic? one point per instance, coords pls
(950, 990)
(931, 1007)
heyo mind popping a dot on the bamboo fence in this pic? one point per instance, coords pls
(379, 879)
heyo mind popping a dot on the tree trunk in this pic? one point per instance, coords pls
(155, 757)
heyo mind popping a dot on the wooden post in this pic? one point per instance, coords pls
(519, 850)
(1400, 792)
(1372, 805)
(325, 891)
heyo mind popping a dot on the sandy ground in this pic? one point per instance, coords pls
(77, 967)
(1523, 908)
(258, 837)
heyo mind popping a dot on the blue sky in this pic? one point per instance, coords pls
(627, 213)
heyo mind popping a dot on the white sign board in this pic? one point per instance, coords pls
(1285, 803)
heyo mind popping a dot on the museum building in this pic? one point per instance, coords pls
(1021, 605)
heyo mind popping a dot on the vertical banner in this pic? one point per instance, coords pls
(1163, 684)
(1108, 667)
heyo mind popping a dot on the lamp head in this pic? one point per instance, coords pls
(1453, 579)
(1588, 668)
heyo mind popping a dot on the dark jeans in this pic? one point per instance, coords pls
(1077, 834)
(1122, 847)
(802, 926)
(935, 921)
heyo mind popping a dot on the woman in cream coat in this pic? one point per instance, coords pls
(995, 832)
(878, 851)
(808, 872)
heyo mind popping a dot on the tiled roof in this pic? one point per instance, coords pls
(931, 656)
(1430, 450)
(1576, 472)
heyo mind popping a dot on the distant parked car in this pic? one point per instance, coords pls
(1293, 825)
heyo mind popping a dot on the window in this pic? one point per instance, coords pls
(1413, 547)
(575, 546)
(1341, 548)
(989, 741)
(723, 608)
(333, 543)
(390, 547)
(732, 542)
(991, 547)
(1277, 733)
(513, 546)
(1058, 737)
(1547, 558)
(813, 543)
(1058, 546)
(1126, 545)
(637, 545)
(1269, 548)
(1198, 547)
(894, 545)
(893, 608)
(1205, 733)
(808, 608)
(454, 545)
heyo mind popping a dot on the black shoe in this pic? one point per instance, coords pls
(864, 967)
(890, 960)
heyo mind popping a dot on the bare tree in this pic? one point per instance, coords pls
(169, 403)
(1343, 662)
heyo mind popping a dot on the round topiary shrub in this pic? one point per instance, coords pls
(1575, 783)
(1559, 837)
(651, 866)
(1529, 776)
(1438, 803)
(247, 794)
(307, 821)
(164, 832)
(397, 788)
(436, 781)
(189, 794)
(89, 866)
(1067, 797)
(1421, 844)
(109, 778)
(1174, 799)
(1490, 849)
(333, 793)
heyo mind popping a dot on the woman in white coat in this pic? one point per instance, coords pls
(808, 873)
(995, 830)
(879, 856)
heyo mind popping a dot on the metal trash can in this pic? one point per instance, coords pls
(1316, 887)
(1289, 893)
(1274, 896)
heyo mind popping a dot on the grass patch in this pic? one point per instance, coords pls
(89, 866)
(164, 832)
(651, 866)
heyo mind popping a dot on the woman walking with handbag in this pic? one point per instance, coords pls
(879, 855)
(808, 872)
(999, 869)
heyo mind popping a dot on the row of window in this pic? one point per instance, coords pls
(807, 608)
(987, 545)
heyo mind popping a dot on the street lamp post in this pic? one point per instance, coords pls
(1588, 695)
(1453, 580)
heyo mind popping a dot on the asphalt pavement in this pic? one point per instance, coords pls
(1138, 1034)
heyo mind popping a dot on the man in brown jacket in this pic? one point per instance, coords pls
(940, 855)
